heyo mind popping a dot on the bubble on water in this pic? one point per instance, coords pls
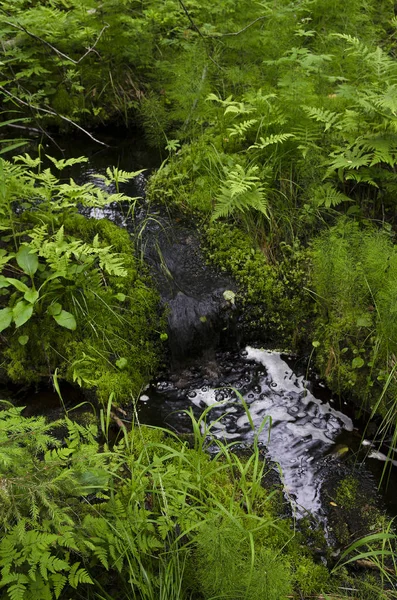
(192, 394)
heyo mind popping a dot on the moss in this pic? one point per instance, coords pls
(309, 577)
(346, 492)
(275, 305)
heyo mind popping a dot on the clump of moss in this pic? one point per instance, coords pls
(352, 505)
(346, 492)
(275, 305)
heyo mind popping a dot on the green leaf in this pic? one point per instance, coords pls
(66, 319)
(31, 295)
(27, 261)
(121, 363)
(357, 362)
(4, 283)
(5, 318)
(315, 344)
(19, 285)
(54, 309)
(68, 162)
(121, 297)
(23, 339)
(22, 312)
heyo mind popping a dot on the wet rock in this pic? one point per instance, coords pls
(350, 500)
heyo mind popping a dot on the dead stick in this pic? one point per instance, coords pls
(53, 48)
(52, 113)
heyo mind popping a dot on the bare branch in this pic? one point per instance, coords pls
(52, 113)
(185, 10)
(221, 35)
(53, 48)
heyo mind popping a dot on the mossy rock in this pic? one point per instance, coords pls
(352, 504)
(275, 305)
(116, 345)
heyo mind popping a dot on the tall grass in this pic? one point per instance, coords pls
(378, 552)
(158, 529)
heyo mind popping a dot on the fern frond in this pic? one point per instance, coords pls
(328, 196)
(328, 117)
(241, 129)
(17, 591)
(116, 175)
(240, 192)
(58, 581)
(387, 100)
(349, 159)
(78, 575)
(278, 138)
(384, 149)
(362, 176)
(356, 45)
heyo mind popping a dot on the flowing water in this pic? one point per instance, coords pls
(297, 428)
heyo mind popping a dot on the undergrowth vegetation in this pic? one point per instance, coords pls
(302, 137)
(149, 517)
(278, 120)
(74, 299)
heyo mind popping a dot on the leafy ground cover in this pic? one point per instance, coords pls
(74, 299)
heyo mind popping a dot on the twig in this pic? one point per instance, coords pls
(368, 564)
(24, 128)
(69, 58)
(185, 10)
(52, 113)
(220, 35)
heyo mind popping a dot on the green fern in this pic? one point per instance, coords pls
(117, 176)
(327, 117)
(273, 139)
(328, 196)
(240, 130)
(78, 575)
(239, 192)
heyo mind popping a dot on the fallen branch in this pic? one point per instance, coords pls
(193, 24)
(220, 35)
(53, 48)
(368, 564)
(52, 113)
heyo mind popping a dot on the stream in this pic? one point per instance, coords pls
(300, 424)
(296, 428)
